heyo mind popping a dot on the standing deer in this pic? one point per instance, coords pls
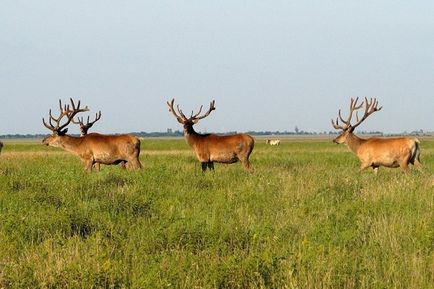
(273, 142)
(92, 148)
(1, 146)
(210, 148)
(375, 152)
(85, 127)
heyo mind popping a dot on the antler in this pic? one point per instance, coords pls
(370, 107)
(85, 127)
(181, 117)
(194, 118)
(64, 111)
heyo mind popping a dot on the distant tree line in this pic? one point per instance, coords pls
(178, 133)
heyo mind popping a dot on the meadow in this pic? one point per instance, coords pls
(305, 218)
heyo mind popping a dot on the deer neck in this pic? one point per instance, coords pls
(70, 143)
(191, 136)
(354, 142)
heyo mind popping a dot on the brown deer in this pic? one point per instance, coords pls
(1, 146)
(92, 148)
(375, 152)
(273, 142)
(210, 148)
(85, 127)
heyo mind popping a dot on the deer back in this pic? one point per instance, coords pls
(387, 151)
(120, 145)
(213, 145)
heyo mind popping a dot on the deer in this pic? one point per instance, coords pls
(84, 129)
(375, 152)
(273, 142)
(91, 148)
(210, 148)
(1, 146)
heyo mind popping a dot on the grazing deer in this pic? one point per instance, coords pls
(92, 148)
(210, 148)
(375, 152)
(273, 142)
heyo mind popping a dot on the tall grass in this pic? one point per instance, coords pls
(305, 218)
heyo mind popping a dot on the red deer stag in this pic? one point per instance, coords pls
(85, 127)
(92, 148)
(210, 148)
(375, 152)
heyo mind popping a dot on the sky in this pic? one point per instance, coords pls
(269, 65)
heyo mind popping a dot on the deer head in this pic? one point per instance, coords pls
(346, 126)
(85, 127)
(58, 129)
(193, 119)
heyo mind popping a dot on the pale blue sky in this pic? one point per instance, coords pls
(270, 65)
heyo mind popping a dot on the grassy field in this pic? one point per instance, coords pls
(305, 218)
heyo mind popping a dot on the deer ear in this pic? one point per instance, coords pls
(194, 121)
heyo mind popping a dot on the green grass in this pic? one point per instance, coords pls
(305, 218)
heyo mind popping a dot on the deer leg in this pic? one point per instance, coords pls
(246, 164)
(365, 165)
(97, 166)
(417, 164)
(204, 165)
(403, 166)
(137, 165)
(211, 166)
(123, 165)
(375, 169)
(88, 165)
(415, 158)
(133, 164)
